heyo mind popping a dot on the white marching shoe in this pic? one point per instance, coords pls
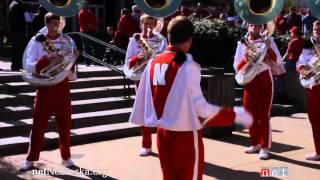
(145, 151)
(313, 157)
(252, 149)
(68, 163)
(243, 117)
(264, 154)
(26, 165)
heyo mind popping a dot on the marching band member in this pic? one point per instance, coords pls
(136, 54)
(170, 98)
(313, 94)
(258, 93)
(52, 99)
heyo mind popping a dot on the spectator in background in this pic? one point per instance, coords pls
(38, 20)
(281, 23)
(28, 16)
(88, 23)
(110, 32)
(17, 26)
(136, 13)
(110, 55)
(201, 12)
(293, 19)
(294, 50)
(307, 23)
(185, 11)
(291, 78)
(127, 26)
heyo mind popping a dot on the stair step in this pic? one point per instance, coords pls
(76, 94)
(92, 71)
(10, 113)
(22, 127)
(18, 87)
(19, 144)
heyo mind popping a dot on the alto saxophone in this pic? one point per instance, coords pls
(148, 52)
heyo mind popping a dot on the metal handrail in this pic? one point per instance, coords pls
(126, 82)
(98, 41)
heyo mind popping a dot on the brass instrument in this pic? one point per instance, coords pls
(65, 8)
(256, 54)
(258, 11)
(312, 77)
(158, 8)
(58, 69)
(148, 50)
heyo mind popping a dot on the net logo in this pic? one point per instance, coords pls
(274, 172)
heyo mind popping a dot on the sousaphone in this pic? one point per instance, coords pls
(158, 8)
(64, 8)
(258, 11)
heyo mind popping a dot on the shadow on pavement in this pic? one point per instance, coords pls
(292, 161)
(244, 141)
(8, 171)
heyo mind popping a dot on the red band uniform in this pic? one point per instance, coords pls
(258, 94)
(170, 98)
(132, 59)
(313, 97)
(53, 99)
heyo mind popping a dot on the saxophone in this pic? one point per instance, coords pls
(312, 77)
(148, 51)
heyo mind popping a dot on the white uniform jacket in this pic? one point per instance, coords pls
(184, 105)
(240, 52)
(305, 57)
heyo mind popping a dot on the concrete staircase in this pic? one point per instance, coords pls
(99, 110)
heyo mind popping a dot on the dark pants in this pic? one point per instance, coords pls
(18, 46)
(93, 48)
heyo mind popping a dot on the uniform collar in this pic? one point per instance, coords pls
(51, 37)
(146, 37)
(172, 49)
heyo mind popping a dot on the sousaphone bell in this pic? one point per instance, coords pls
(64, 8)
(158, 8)
(258, 11)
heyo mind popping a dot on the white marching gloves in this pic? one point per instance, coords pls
(243, 117)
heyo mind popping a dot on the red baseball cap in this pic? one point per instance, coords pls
(295, 30)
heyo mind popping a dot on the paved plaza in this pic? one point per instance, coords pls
(224, 157)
